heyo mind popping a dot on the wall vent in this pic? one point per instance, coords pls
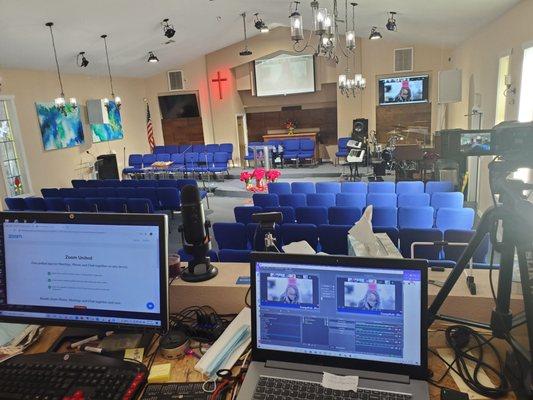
(175, 80)
(403, 59)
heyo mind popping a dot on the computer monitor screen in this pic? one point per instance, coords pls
(84, 269)
(343, 311)
(478, 142)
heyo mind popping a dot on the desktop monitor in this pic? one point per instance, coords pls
(84, 269)
(339, 311)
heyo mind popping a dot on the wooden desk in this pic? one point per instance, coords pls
(299, 134)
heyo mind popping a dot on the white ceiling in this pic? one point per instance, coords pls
(134, 28)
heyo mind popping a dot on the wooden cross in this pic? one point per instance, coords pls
(219, 80)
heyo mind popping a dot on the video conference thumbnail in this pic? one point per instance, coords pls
(369, 295)
(472, 142)
(289, 289)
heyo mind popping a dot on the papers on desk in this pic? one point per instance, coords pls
(14, 338)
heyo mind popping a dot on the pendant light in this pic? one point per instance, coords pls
(245, 52)
(116, 99)
(60, 102)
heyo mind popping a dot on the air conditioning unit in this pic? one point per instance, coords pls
(175, 80)
(403, 59)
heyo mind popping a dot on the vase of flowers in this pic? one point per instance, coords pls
(290, 125)
(272, 175)
(261, 177)
(246, 177)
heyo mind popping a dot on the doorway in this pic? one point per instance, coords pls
(242, 133)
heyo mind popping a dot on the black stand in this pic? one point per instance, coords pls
(200, 268)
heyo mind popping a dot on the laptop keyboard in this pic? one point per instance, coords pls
(290, 389)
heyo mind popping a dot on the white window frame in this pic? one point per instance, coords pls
(525, 47)
(500, 88)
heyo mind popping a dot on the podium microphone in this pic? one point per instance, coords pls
(195, 235)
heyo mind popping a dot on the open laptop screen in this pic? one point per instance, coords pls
(360, 313)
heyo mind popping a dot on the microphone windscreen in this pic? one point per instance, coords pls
(190, 194)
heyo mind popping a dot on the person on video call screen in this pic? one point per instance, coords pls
(371, 299)
(404, 94)
(291, 294)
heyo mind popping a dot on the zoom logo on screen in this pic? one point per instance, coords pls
(150, 305)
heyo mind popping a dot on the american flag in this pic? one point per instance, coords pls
(149, 129)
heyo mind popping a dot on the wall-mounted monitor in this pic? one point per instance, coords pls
(284, 74)
(179, 106)
(403, 90)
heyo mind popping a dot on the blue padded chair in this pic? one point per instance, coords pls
(205, 161)
(220, 162)
(148, 193)
(172, 149)
(87, 192)
(344, 215)
(328, 187)
(385, 216)
(312, 215)
(381, 199)
(228, 149)
(55, 204)
(162, 157)
(232, 255)
(307, 149)
(454, 218)
(131, 183)
(116, 204)
(291, 149)
(243, 214)
(293, 200)
(184, 148)
(213, 148)
(167, 183)
(351, 200)
(69, 192)
(110, 182)
(354, 187)
(95, 183)
(409, 187)
(191, 161)
(413, 200)
(97, 204)
(178, 161)
(439, 186)
(381, 187)
(140, 205)
(15, 203)
(169, 198)
(265, 200)
(303, 187)
(415, 217)
(453, 253)
(180, 183)
(75, 204)
(429, 252)
(230, 235)
(297, 232)
(149, 159)
(321, 199)
(447, 199)
(50, 192)
(289, 215)
(334, 239)
(126, 192)
(106, 192)
(256, 236)
(391, 232)
(198, 148)
(135, 163)
(279, 188)
(160, 149)
(143, 183)
(342, 147)
(186, 257)
(78, 183)
(35, 204)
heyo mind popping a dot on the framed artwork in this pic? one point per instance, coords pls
(59, 130)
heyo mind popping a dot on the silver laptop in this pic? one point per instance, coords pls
(347, 316)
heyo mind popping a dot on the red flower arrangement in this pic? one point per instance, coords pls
(272, 175)
(261, 176)
(290, 125)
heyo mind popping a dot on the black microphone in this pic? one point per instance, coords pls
(195, 235)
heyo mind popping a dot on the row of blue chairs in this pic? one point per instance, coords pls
(361, 200)
(196, 148)
(402, 217)
(94, 183)
(429, 187)
(293, 149)
(181, 162)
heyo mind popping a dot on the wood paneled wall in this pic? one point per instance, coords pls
(387, 117)
(323, 118)
(183, 131)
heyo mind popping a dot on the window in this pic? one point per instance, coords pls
(501, 100)
(525, 112)
(12, 166)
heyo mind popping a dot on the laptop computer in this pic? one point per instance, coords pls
(348, 316)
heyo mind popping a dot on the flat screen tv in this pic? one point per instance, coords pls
(475, 143)
(179, 106)
(403, 90)
(284, 74)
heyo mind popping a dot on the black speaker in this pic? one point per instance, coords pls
(360, 128)
(106, 166)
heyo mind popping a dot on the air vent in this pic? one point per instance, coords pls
(403, 59)
(175, 80)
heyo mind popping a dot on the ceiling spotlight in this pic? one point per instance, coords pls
(391, 23)
(168, 29)
(152, 57)
(260, 24)
(374, 33)
(81, 60)
(246, 51)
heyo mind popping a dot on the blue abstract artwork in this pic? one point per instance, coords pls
(110, 131)
(58, 130)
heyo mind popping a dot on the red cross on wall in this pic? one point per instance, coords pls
(219, 80)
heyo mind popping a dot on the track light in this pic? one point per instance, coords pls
(391, 23)
(374, 34)
(81, 60)
(168, 29)
(152, 57)
(260, 24)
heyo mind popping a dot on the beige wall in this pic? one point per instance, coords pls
(57, 167)
(478, 58)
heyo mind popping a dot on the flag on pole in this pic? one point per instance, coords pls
(149, 128)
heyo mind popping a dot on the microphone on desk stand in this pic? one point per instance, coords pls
(195, 235)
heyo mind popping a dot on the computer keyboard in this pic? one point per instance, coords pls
(290, 389)
(53, 376)
(172, 391)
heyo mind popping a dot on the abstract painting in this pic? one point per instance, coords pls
(58, 130)
(110, 131)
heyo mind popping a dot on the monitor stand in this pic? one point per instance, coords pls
(126, 339)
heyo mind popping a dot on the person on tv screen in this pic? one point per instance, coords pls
(404, 94)
(291, 294)
(371, 300)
